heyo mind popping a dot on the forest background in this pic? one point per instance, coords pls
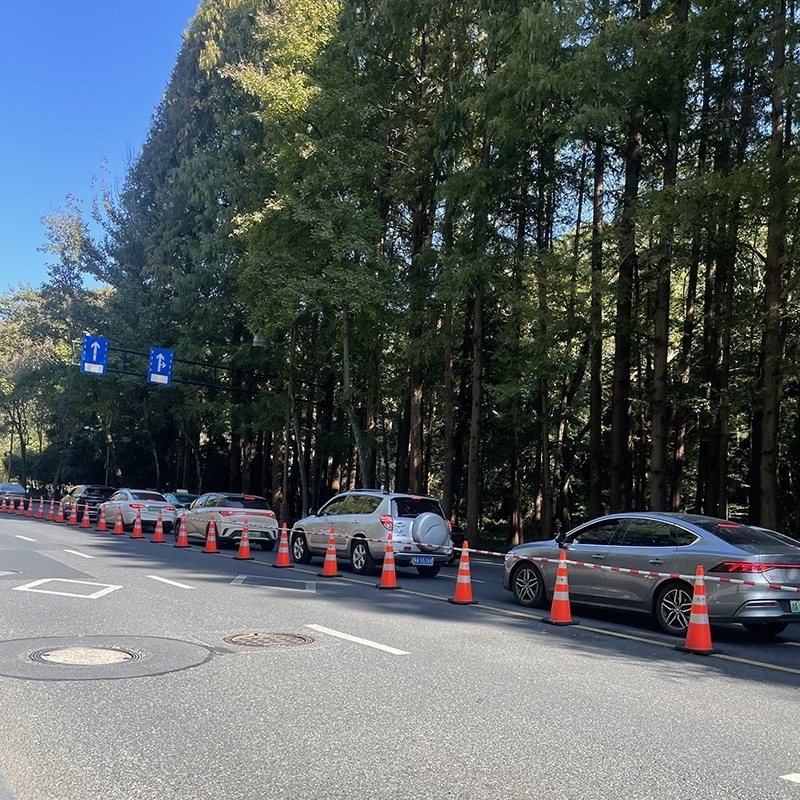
(535, 258)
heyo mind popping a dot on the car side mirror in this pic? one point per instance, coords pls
(561, 541)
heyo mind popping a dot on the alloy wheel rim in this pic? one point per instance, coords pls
(358, 557)
(527, 585)
(676, 608)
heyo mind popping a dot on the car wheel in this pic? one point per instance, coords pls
(765, 630)
(300, 552)
(528, 586)
(673, 608)
(361, 559)
(429, 571)
(270, 545)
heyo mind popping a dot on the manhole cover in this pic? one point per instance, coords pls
(268, 639)
(85, 656)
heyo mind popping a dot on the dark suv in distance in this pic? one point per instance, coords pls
(86, 494)
(362, 521)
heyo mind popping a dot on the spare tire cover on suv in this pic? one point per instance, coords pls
(430, 529)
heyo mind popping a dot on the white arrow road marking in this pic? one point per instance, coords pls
(25, 538)
(171, 583)
(394, 651)
(794, 777)
(76, 553)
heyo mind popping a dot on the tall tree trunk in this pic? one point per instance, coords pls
(772, 338)
(596, 353)
(474, 470)
(364, 461)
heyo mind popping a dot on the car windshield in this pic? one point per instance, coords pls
(746, 538)
(414, 506)
(247, 502)
(152, 496)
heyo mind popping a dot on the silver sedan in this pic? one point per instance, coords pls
(142, 501)
(664, 551)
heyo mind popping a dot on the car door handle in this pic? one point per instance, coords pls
(656, 561)
(598, 557)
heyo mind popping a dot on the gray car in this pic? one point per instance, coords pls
(675, 544)
(363, 519)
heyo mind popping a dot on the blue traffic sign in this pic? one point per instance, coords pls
(94, 355)
(160, 367)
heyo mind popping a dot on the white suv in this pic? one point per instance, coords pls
(362, 521)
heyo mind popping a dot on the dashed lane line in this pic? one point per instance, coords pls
(366, 642)
(76, 553)
(171, 583)
(794, 777)
(24, 538)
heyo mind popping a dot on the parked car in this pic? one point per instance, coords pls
(12, 492)
(420, 533)
(667, 543)
(86, 494)
(144, 501)
(180, 498)
(229, 511)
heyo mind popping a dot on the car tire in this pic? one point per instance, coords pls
(361, 559)
(765, 630)
(427, 571)
(268, 545)
(300, 552)
(527, 586)
(673, 607)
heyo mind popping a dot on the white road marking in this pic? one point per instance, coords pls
(76, 553)
(794, 777)
(267, 583)
(25, 538)
(455, 577)
(33, 587)
(394, 651)
(171, 583)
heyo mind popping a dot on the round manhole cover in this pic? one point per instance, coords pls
(268, 639)
(85, 656)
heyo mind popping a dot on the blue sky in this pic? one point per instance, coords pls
(79, 82)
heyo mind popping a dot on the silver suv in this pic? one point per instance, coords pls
(362, 521)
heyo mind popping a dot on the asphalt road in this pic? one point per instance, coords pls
(425, 699)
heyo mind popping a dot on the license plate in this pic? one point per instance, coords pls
(794, 606)
(427, 561)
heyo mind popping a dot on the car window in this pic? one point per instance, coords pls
(118, 496)
(371, 503)
(248, 501)
(354, 504)
(684, 538)
(600, 533)
(746, 538)
(151, 496)
(414, 506)
(646, 533)
(335, 506)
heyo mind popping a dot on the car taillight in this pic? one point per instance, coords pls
(169, 508)
(387, 521)
(228, 512)
(271, 515)
(741, 567)
(137, 505)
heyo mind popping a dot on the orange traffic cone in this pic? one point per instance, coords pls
(73, 515)
(119, 527)
(244, 544)
(60, 515)
(698, 634)
(388, 573)
(463, 595)
(30, 508)
(85, 520)
(183, 537)
(101, 519)
(560, 612)
(40, 512)
(158, 533)
(50, 513)
(211, 538)
(136, 533)
(283, 559)
(329, 566)
(3, 506)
